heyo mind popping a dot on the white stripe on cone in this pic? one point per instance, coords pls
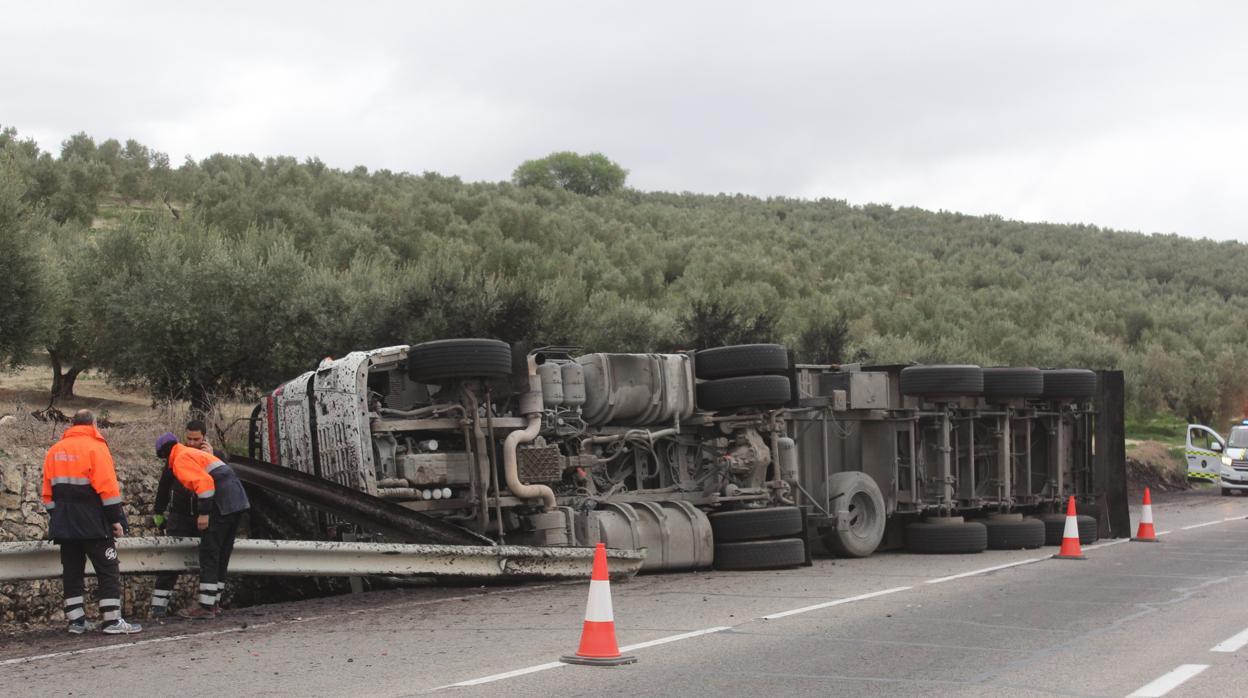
(1072, 528)
(598, 609)
(1146, 516)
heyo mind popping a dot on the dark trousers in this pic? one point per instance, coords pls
(215, 545)
(176, 525)
(103, 555)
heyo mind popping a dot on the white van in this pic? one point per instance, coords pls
(1233, 474)
(1205, 449)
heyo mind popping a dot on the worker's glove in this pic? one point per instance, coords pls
(159, 520)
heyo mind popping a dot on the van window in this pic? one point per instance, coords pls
(1238, 438)
(1203, 440)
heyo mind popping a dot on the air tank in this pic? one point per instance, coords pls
(573, 384)
(552, 384)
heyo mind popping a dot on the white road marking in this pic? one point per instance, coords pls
(1232, 643)
(985, 570)
(838, 602)
(1235, 518)
(257, 626)
(504, 675)
(555, 665)
(1168, 682)
(673, 638)
(1106, 544)
(1162, 533)
(1200, 525)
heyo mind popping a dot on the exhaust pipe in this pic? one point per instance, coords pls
(531, 407)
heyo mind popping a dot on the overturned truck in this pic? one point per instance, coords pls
(731, 457)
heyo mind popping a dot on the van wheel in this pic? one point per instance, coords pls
(1226, 491)
(448, 359)
(760, 554)
(858, 493)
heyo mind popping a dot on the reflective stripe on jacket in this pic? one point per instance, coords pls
(213, 482)
(80, 487)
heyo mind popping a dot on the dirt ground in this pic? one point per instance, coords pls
(1152, 464)
(26, 389)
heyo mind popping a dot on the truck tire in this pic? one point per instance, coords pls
(1055, 526)
(760, 554)
(1226, 492)
(446, 359)
(1069, 383)
(745, 391)
(1014, 532)
(742, 360)
(942, 380)
(951, 537)
(755, 524)
(1013, 382)
(860, 493)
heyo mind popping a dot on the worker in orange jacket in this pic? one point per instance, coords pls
(81, 494)
(221, 501)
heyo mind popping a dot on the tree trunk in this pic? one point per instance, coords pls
(201, 401)
(62, 382)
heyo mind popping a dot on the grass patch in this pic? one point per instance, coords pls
(1166, 428)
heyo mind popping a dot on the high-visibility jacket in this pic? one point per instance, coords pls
(214, 483)
(171, 495)
(80, 487)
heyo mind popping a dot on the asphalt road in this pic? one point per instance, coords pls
(1130, 615)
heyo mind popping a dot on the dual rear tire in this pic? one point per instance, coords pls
(758, 539)
(1055, 526)
(946, 535)
(743, 375)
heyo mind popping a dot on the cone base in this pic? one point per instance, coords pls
(1147, 540)
(598, 661)
(1069, 557)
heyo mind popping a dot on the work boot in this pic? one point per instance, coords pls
(197, 612)
(121, 627)
(80, 626)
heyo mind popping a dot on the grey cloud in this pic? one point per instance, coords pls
(1034, 110)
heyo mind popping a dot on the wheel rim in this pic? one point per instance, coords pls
(861, 515)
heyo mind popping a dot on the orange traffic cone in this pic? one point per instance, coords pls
(598, 646)
(1070, 536)
(1146, 532)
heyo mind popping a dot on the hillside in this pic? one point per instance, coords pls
(232, 273)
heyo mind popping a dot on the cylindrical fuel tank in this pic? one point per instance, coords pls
(552, 384)
(573, 384)
(637, 389)
(676, 535)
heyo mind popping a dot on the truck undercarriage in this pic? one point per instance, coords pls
(731, 456)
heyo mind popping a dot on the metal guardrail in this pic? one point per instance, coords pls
(149, 555)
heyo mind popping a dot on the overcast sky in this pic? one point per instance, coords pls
(1128, 115)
